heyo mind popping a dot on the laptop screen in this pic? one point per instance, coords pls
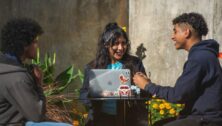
(110, 83)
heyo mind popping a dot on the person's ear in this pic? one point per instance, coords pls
(106, 46)
(187, 33)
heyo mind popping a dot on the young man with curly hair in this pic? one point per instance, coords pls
(22, 101)
(200, 85)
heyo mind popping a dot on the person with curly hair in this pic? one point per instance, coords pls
(22, 101)
(200, 85)
(113, 52)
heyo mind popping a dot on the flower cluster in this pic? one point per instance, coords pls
(159, 109)
(81, 118)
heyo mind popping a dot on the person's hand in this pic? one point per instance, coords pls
(38, 74)
(141, 80)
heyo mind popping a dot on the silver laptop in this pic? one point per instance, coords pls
(109, 83)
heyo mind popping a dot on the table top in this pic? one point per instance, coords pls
(114, 98)
(76, 97)
(117, 99)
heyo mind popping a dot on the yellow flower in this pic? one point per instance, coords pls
(149, 102)
(154, 96)
(172, 111)
(163, 100)
(155, 106)
(158, 100)
(167, 105)
(85, 115)
(179, 105)
(124, 29)
(75, 123)
(161, 112)
(161, 106)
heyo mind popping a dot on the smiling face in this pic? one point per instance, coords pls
(179, 36)
(118, 49)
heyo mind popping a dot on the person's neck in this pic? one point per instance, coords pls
(191, 42)
(114, 61)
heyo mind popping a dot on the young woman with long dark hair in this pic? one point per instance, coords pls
(113, 52)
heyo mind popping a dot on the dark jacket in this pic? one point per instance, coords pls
(200, 85)
(136, 111)
(20, 99)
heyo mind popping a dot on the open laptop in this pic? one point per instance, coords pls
(109, 83)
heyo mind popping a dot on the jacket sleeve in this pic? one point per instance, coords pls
(21, 94)
(186, 87)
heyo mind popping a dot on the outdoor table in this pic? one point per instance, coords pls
(124, 99)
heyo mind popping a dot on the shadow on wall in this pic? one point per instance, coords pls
(140, 51)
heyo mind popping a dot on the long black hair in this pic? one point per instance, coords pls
(108, 37)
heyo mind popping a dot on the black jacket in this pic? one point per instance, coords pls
(20, 99)
(135, 110)
(200, 85)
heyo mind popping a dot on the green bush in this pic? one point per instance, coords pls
(55, 85)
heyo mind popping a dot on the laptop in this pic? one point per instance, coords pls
(108, 83)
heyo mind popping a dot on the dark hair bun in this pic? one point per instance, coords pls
(111, 26)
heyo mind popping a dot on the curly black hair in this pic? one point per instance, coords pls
(108, 37)
(195, 20)
(18, 33)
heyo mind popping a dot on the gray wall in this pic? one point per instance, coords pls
(150, 23)
(71, 27)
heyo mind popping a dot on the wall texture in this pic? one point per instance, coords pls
(150, 22)
(72, 27)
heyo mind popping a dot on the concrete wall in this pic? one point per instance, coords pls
(71, 27)
(150, 22)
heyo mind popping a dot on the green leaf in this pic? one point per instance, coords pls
(48, 78)
(38, 56)
(65, 77)
(49, 61)
(36, 61)
(45, 61)
(54, 58)
(81, 76)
